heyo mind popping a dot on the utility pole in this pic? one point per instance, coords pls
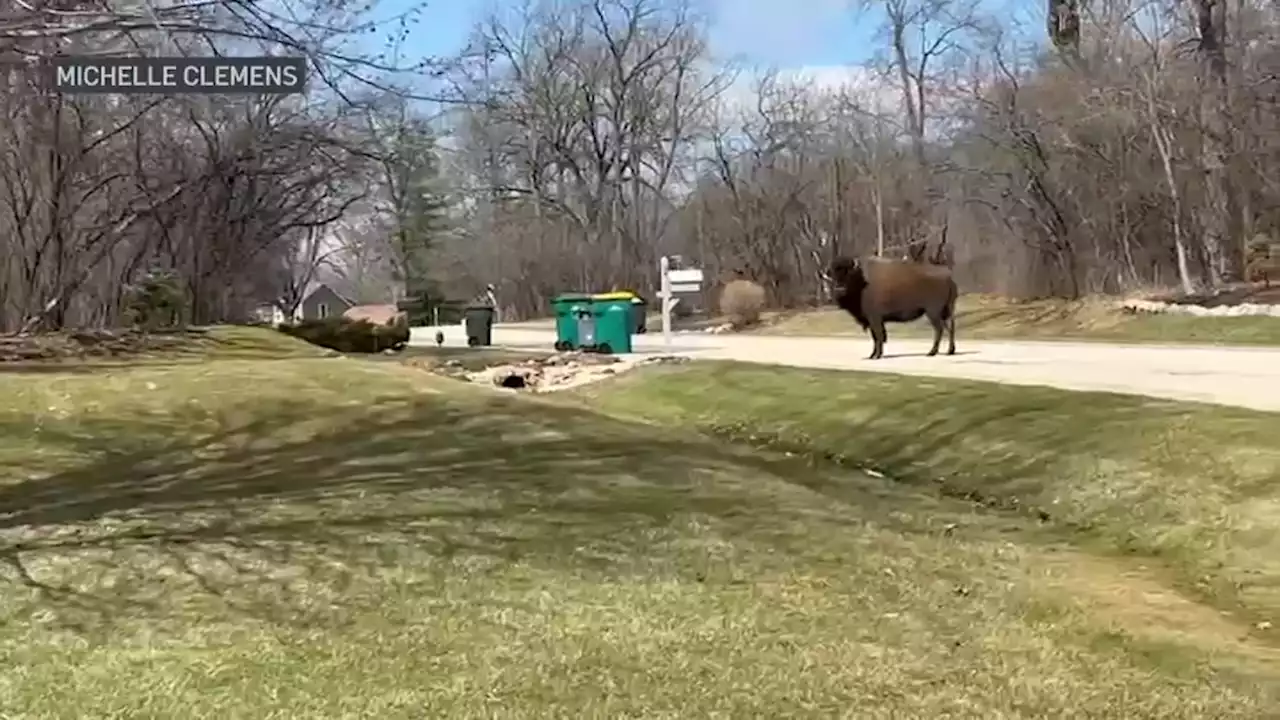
(491, 152)
(489, 212)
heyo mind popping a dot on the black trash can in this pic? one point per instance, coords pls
(639, 313)
(478, 320)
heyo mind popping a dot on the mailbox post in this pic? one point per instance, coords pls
(672, 282)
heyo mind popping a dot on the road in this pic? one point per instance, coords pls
(1243, 377)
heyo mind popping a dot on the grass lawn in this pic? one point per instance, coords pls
(339, 538)
(1192, 486)
(983, 317)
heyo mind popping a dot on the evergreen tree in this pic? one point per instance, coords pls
(419, 208)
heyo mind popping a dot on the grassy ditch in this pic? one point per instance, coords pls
(1193, 485)
(344, 538)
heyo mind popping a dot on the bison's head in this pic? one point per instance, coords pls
(845, 272)
(847, 283)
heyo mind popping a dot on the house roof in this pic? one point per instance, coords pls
(376, 314)
(312, 288)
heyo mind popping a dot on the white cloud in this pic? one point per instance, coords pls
(867, 86)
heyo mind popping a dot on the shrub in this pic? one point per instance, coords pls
(155, 301)
(1262, 262)
(1263, 270)
(741, 301)
(350, 336)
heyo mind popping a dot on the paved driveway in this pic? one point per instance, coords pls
(1245, 377)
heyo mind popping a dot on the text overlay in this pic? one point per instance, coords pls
(264, 75)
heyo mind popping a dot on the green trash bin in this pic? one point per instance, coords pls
(639, 313)
(478, 320)
(615, 320)
(573, 315)
(639, 308)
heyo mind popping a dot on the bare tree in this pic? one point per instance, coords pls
(1160, 116)
(1225, 255)
(1098, 165)
(98, 191)
(587, 116)
(299, 266)
(924, 37)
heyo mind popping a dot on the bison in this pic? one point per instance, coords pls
(876, 291)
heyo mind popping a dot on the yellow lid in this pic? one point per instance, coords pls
(622, 295)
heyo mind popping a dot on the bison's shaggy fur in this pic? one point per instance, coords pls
(876, 291)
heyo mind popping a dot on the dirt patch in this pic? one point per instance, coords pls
(1131, 598)
(87, 344)
(561, 371)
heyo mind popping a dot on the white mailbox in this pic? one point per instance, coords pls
(685, 277)
(687, 280)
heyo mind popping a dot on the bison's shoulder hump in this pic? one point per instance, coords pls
(902, 270)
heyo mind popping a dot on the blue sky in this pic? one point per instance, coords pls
(774, 33)
(822, 41)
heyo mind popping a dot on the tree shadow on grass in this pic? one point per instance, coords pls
(1020, 315)
(94, 366)
(173, 348)
(994, 445)
(1121, 474)
(291, 516)
(921, 441)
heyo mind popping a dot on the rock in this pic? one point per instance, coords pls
(1143, 306)
(557, 359)
(514, 382)
(512, 376)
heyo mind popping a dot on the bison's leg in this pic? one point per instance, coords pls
(936, 320)
(878, 336)
(951, 331)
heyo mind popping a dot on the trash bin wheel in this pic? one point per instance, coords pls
(473, 341)
(563, 346)
(604, 349)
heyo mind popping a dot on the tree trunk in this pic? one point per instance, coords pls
(1164, 145)
(913, 97)
(1221, 252)
(1063, 18)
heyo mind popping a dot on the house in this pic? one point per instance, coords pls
(268, 313)
(323, 302)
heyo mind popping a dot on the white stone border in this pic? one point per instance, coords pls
(1241, 310)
